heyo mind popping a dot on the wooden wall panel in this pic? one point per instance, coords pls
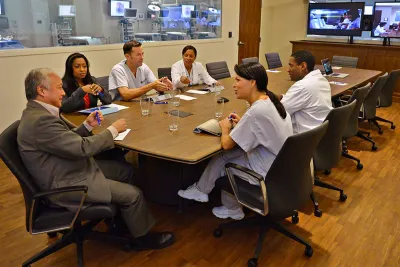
(373, 57)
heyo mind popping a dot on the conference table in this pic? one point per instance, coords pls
(169, 161)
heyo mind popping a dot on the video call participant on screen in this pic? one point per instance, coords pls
(131, 78)
(355, 19)
(380, 29)
(81, 88)
(187, 72)
(252, 141)
(57, 156)
(308, 101)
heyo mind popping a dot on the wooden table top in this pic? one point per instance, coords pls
(150, 135)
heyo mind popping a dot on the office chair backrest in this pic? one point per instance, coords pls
(218, 70)
(164, 72)
(273, 60)
(385, 97)
(103, 82)
(342, 61)
(250, 59)
(372, 97)
(359, 95)
(289, 188)
(9, 153)
(328, 151)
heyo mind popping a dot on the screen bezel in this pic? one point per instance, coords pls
(372, 27)
(334, 32)
(131, 9)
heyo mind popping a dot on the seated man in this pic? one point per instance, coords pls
(57, 156)
(308, 101)
(131, 78)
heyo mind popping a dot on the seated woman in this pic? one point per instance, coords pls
(187, 72)
(252, 141)
(81, 89)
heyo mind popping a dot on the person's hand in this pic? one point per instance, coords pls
(92, 119)
(120, 125)
(217, 83)
(235, 118)
(226, 125)
(87, 89)
(185, 80)
(166, 81)
(159, 86)
(96, 89)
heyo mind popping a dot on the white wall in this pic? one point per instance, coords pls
(17, 63)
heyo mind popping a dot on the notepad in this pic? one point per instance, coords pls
(197, 92)
(121, 136)
(338, 83)
(273, 71)
(336, 68)
(211, 126)
(186, 97)
(104, 110)
(119, 107)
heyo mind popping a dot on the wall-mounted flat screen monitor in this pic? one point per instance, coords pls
(117, 8)
(339, 19)
(386, 20)
(66, 11)
(187, 10)
(130, 13)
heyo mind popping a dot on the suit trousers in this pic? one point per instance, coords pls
(129, 198)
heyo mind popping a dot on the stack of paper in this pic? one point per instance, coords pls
(186, 97)
(197, 92)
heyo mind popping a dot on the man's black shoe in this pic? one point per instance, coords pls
(153, 241)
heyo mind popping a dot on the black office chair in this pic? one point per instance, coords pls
(385, 97)
(164, 72)
(218, 70)
(41, 217)
(370, 101)
(343, 61)
(250, 59)
(283, 191)
(273, 60)
(103, 82)
(328, 152)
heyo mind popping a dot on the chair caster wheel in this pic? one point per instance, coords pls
(343, 197)
(380, 131)
(218, 232)
(327, 172)
(295, 219)
(309, 252)
(52, 234)
(374, 148)
(318, 213)
(252, 262)
(360, 166)
(393, 127)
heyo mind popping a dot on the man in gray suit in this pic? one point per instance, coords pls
(57, 156)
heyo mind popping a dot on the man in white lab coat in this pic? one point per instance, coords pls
(308, 101)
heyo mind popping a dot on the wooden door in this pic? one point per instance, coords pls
(377, 18)
(249, 29)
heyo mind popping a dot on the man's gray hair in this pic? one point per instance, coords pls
(35, 78)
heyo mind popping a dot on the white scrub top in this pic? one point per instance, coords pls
(261, 133)
(308, 101)
(122, 76)
(198, 75)
(379, 30)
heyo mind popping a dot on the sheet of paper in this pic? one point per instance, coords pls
(336, 68)
(120, 107)
(186, 97)
(197, 92)
(273, 71)
(122, 135)
(338, 83)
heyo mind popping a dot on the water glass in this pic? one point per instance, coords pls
(173, 120)
(218, 107)
(145, 105)
(176, 101)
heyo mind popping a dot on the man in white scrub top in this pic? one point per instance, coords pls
(308, 101)
(131, 78)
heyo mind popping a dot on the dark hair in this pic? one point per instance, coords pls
(129, 45)
(70, 84)
(382, 24)
(189, 47)
(354, 13)
(256, 71)
(304, 56)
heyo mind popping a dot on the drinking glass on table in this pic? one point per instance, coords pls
(176, 101)
(173, 117)
(218, 106)
(145, 105)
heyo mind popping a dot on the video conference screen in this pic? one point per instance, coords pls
(117, 8)
(339, 19)
(386, 20)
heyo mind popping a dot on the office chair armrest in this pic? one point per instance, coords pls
(39, 196)
(245, 170)
(61, 190)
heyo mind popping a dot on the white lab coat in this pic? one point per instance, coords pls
(379, 30)
(198, 74)
(308, 101)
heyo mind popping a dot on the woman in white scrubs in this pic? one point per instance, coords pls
(187, 72)
(253, 140)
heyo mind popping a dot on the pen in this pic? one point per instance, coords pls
(98, 117)
(161, 102)
(101, 94)
(230, 117)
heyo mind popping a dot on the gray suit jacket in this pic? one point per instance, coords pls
(57, 156)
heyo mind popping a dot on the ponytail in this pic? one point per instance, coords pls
(277, 103)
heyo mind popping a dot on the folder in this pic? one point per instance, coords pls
(210, 126)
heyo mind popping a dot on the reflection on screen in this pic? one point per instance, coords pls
(335, 19)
